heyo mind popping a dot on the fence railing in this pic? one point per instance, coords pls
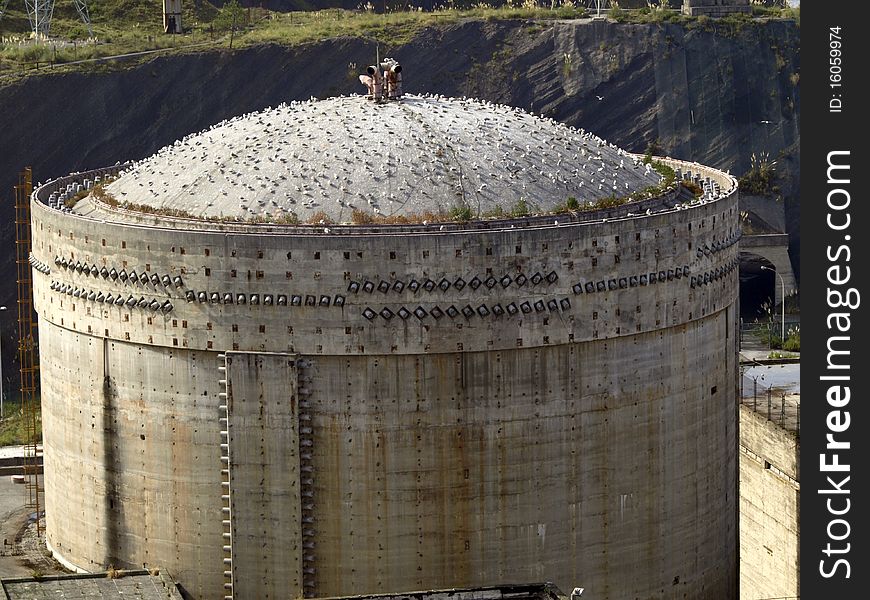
(760, 335)
(778, 406)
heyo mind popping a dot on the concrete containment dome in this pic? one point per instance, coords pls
(422, 155)
(271, 409)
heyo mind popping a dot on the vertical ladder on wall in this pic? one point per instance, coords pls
(27, 357)
(226, 508)
(306, 477)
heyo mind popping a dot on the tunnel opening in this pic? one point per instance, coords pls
(757, 288)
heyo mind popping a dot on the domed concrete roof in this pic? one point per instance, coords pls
(417, 156)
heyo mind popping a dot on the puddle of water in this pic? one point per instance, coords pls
(784, 378)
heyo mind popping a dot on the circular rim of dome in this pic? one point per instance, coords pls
(549, 198)
(52, 195)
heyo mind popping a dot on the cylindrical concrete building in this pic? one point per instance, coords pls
(338, 348)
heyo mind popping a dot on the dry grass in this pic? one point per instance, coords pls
(319, 218)
(361, 217)
(113, 573)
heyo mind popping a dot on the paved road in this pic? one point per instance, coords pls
(12, 518)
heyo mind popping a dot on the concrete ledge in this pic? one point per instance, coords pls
(67, 564)
(15, 470)
(764, 239)
(16, 461)
(533, 591)
(770, 361)
(715, 9)
(142, 584)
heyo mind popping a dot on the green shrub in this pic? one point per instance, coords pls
(616, 13)
(14, 427)
(793, 339)
(230, 16)
(792, 344)
(760, 179)
(461, 213)
(666, 172)
(520, 209)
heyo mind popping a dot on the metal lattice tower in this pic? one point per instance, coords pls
(85, 15)
(598, 6)
(40, 13)
(27, 357)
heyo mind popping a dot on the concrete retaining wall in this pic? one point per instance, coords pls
(769, 509)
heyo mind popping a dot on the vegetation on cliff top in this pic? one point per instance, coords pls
(131, 26)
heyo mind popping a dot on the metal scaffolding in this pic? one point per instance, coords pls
(27, 355)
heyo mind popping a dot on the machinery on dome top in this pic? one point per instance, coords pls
(383, 86)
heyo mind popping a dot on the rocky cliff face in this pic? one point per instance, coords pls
(710, 93)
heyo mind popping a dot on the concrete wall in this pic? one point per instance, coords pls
(715, 8)
(590, 442)
(610, 254)
(132, 456)
(765, 213)
(589, 463)
(266, 510)
(769, 509)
